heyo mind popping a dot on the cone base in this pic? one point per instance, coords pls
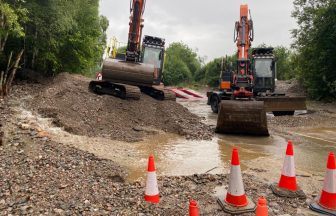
(287, 193)
(317, 208)
(152, 199)
(250, 207)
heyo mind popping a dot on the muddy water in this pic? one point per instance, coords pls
(175, 155)
(263, 156)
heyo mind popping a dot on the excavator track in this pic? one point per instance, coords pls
(158, 92)
(118, 90)
(169, 95)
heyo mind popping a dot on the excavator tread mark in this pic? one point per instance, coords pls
(118, 90)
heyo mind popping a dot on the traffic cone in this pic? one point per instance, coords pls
(287, 186)
(236, 193)
(262, 209)
(152, 189)
(193, 208)
(288, 177)
(236, 201)
(326, 202)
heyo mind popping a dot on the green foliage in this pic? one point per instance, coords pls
(62, 35)
(10, 28)
(181, 64)
(316, 45)
(122, 49)
(176, 71)
(10, 20)
(285, 67)
(210, 73)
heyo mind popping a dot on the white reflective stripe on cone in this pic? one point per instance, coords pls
(329, 184)
(151, 184)
(288, 168)
(236, 187)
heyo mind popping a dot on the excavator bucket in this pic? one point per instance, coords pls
(242, 117)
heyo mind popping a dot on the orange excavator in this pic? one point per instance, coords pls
(247, 91)
(140, 69)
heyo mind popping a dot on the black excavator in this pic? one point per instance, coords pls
(140, 69)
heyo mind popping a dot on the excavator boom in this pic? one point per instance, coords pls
(137, 8)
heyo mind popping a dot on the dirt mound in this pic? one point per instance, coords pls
(69, 103)
(291, 87)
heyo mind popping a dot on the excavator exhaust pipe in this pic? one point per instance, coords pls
(242, 117)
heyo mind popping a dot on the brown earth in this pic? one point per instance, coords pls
(68, 102)
(41, 176)
(319, 114)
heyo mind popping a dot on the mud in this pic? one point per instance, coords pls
(45, 164)
(43, 176)
(68, 102)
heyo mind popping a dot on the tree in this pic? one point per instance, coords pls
(181, 64)
(315, 41)
(10, 56)
(210, 73)
(176, 71)
(64, 36)
(285, 68)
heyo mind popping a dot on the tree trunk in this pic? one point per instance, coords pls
(3, 43)
(7, 76)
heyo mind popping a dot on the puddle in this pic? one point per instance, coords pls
(174, 155)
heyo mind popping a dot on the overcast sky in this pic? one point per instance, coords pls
(204, 25)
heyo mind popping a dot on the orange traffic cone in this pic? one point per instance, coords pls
(193, 208)
(288, 177)
(236, 201)
(287, 186)
(262, 209)
(152, 190)
(326, 203)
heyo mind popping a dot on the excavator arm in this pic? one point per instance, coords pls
(243, 36)
(137, 9)
(244, 33)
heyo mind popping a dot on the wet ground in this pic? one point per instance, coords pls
(260, 156)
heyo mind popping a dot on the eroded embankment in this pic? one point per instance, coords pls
(68, 101)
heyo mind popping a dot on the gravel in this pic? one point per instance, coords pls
(68, 102)
(43, 177)
(51, 178)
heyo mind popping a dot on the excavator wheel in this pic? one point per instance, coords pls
(214, 103)
(242, 117)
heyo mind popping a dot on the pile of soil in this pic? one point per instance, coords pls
(67, 100)
(290, 87)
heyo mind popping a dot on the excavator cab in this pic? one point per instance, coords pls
(153, 49)
(264, 69)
